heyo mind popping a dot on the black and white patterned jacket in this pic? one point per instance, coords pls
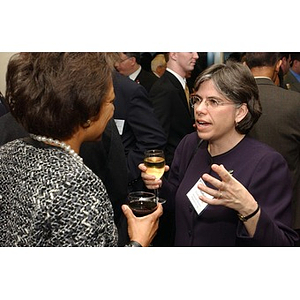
(47, 198)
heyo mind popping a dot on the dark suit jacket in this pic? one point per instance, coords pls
(146, 79)
(3, 109)
(105, 158)
(279, 127)
(291, 83)
(10, 129)
(170, 106)
(141, 130)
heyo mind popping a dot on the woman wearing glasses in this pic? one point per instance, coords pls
(226, 188)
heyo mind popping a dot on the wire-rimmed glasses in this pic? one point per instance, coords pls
(212, 102)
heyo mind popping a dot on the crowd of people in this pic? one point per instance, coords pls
(75, 126)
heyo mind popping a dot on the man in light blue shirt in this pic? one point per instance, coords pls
(292, 78)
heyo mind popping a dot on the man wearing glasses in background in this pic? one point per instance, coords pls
(130, 65)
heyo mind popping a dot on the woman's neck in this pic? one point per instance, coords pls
(219, 147)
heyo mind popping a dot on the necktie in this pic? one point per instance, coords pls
(187, 94)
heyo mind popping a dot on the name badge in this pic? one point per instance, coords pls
(120, 125)
(194, 194)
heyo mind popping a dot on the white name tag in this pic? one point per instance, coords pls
(120, 125)
(194, 194)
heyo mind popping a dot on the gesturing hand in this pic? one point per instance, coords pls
(228, 191)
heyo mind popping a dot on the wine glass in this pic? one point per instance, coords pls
(142, 203)
(155, 162)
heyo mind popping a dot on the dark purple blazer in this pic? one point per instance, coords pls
(262, 170)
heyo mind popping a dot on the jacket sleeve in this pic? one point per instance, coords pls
(161, 99)
(146, 128)
(271, 187)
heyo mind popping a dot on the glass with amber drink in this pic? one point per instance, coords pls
(155, 162)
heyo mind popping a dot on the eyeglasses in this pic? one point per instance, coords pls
(195, 100)
(122, 60)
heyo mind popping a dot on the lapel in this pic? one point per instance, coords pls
(175, 82)
(292, 80)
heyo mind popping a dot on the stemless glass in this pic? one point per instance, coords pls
(142, 203)
(155, 162)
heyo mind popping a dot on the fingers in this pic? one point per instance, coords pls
(143, 168)
(222, 172)
(219, 191)
(158, 212)
(216, 194)
(127, 211)
(142, 229)
(129, 214)
(150, 180)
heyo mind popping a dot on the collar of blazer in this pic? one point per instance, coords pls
(178, 77)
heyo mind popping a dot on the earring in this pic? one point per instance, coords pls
(87, 124)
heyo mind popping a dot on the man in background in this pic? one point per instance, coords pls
(130, 65)
(138, 126)
(292, 78)
(279, 124)
(158, 65)
(170, 98)
(284, 68)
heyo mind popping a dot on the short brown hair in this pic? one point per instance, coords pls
(52, 93)
(237, 84)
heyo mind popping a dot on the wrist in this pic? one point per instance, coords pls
(133, 244)
(244, 218)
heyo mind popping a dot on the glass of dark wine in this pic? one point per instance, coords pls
(142, 203)
(155, 162)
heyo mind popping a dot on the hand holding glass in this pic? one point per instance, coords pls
(154, 160)
(142, 203)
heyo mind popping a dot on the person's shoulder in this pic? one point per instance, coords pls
(291, 94)
(120, 80)
(148, 75)
(10, 129)
(126, 87)
(254, 143)
(290, 97)
(166, 78)
(260, 149)
(190, 140)
(12, 148)
(166, 84)
(279, 93)
(289, 76)
(8, 144)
